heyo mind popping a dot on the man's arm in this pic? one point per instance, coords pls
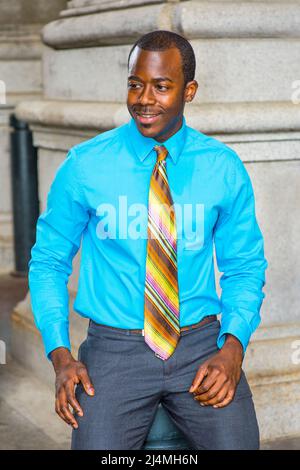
(240, 256)
(58, 236)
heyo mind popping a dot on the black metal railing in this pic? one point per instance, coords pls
(24, 184)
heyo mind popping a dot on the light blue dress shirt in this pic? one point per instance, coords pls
(95, 199)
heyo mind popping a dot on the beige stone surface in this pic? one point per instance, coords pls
(194, 19)
(6, 235)
(27, 345)
(238, 18)
(66, 80)
(78, 7)
(277, 404)
(277, 199)
(228, 70)
(5, 199)
(21, 72)
(108, 27)
(20, 12)
(24, 77)
(222, 119)
(33, 400)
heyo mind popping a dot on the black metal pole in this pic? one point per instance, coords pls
(24, 183)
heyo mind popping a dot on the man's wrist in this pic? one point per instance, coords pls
(60, 356)
(233, 343)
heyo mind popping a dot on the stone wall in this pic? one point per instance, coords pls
(21, 73)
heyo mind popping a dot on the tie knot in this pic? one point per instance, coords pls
(161, 151)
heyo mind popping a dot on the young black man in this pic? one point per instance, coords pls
(149, 200)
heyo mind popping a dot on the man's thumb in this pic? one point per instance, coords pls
(87, 384)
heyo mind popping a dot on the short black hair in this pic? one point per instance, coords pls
(161, 40)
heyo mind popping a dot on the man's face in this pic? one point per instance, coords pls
(156, 92)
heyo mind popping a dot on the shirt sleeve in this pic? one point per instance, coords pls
(58, 236)
(240, 257)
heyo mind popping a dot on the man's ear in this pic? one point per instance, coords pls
(190, 91)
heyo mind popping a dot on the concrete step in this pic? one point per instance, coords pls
(27, 416)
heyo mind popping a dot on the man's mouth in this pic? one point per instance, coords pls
(146, 118)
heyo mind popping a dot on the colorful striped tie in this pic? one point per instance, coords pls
(161, 325)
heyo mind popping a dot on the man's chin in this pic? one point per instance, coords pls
(147, 129)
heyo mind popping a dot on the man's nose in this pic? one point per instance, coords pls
(146, 96)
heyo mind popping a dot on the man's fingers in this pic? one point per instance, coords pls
(68, 415)
(216, 395)
(226, 401)
(212, 392)
(86, 381)
(63, 409)
(207, 383)
(72, 399)
(201, 373)
(58, 411)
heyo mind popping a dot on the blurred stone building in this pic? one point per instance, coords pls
(21, 79)
(74, 82)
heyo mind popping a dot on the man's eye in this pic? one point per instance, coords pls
(132, 85)
(162, 87)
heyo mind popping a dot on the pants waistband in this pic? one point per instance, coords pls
(207, 319)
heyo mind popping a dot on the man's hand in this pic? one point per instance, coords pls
(68, 373)
(216, 379)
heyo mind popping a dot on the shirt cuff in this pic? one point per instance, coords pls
(235, 325)
(54, 336)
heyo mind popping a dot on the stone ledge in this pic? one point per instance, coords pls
(12, 31)
(59, 139)
(228, 20)
(21, 48)
(259, 362)
(278, 406)
(83, 7)
(267, 146)
(213, 118)
(268, 355)
(22, 318)
(13, 98)
(106, 28)
(233, 19)
(16, 13)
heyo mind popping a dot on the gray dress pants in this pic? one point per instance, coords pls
(130, 382)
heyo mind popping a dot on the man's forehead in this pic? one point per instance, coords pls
(160, 60)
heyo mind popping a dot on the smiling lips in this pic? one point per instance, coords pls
(145, 118)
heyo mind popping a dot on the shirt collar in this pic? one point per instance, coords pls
(143, 145)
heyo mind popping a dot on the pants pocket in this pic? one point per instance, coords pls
(81, 351)
(243, 389)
